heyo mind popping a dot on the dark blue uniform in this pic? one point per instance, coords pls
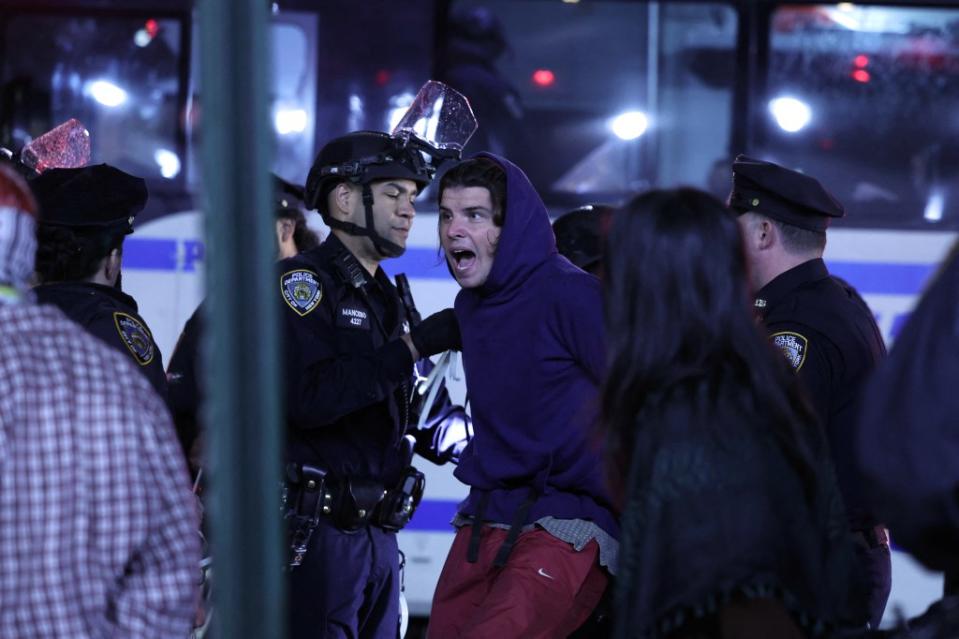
(829, 336)
(908, 437)
(112, 316)
(183, 382)
(348, 380)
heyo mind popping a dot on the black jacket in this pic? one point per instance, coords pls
(348, 376)
(112, 316)
(829, 336)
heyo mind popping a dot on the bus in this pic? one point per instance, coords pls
(594, 99)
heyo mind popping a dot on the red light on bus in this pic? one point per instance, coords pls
(382, 77)
(861, 61)
(152, 27)
(543, 77)
(861, 75)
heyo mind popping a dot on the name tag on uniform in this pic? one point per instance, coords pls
(350, 317)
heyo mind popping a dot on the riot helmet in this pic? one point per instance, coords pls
(434, 129)
(579, 235)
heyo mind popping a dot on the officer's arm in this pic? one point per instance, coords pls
(809, 354)
(324, 384)
(132, 337)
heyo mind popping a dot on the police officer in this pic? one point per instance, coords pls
(85, 214)
(821, 324)
(349, 365)
(579, 235)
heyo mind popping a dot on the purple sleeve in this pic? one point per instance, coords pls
(579, 319)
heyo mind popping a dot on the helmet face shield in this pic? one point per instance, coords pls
(434, 129)
(440, 118)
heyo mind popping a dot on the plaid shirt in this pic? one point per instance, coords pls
(98, 528)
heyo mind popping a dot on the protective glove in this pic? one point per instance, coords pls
(437, 333)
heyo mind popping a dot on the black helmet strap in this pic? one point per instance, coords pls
(383, 246)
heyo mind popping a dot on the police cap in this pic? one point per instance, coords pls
(781, 194)
(362, 157)
(287, 198)
(91, 199)
(579, 234)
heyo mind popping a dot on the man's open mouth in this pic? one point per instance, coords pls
(463, 259)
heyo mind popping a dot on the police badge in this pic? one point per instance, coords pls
(301, 290)
(793, 346)
(136, 337)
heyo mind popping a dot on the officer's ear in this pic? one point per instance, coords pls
(111, 265)
(759, 232)
(341, 199)
(285, 229)
(767, 234)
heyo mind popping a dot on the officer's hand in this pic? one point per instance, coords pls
(437, 333)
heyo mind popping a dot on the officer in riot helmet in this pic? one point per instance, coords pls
(351, 344)
(85, 214)
(579, 235)
(821, 324)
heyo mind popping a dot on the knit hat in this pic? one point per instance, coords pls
(18, 239)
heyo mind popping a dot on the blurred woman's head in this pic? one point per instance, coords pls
(678, 312)
(675, 279)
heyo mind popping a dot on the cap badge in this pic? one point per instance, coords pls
(755, 201)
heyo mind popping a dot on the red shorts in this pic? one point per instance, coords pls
(546, 588)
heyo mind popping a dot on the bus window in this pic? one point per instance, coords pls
(293, 92)
(864, 98)
(373, 56)
(120, 76)
(595, 100)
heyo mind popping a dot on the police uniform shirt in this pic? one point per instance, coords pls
(828, 335)
(347, 375)
(112, 316)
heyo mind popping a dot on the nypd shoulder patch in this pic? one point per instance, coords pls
(793, 345)
(301, 290)
(136, 336)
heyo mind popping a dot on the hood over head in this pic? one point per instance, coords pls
(526, 240)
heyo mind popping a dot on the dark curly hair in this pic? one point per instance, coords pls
(484, 172)
(304, 237)
(63, 255)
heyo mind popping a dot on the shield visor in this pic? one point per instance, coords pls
(440, 117)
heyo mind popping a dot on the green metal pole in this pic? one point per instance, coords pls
(243, 410)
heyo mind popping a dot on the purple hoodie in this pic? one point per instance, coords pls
(534, 356)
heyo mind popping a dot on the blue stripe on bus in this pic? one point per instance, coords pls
(433, 515)
(870, 278)
(419, 263)
(150, 254)
(883, 279)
